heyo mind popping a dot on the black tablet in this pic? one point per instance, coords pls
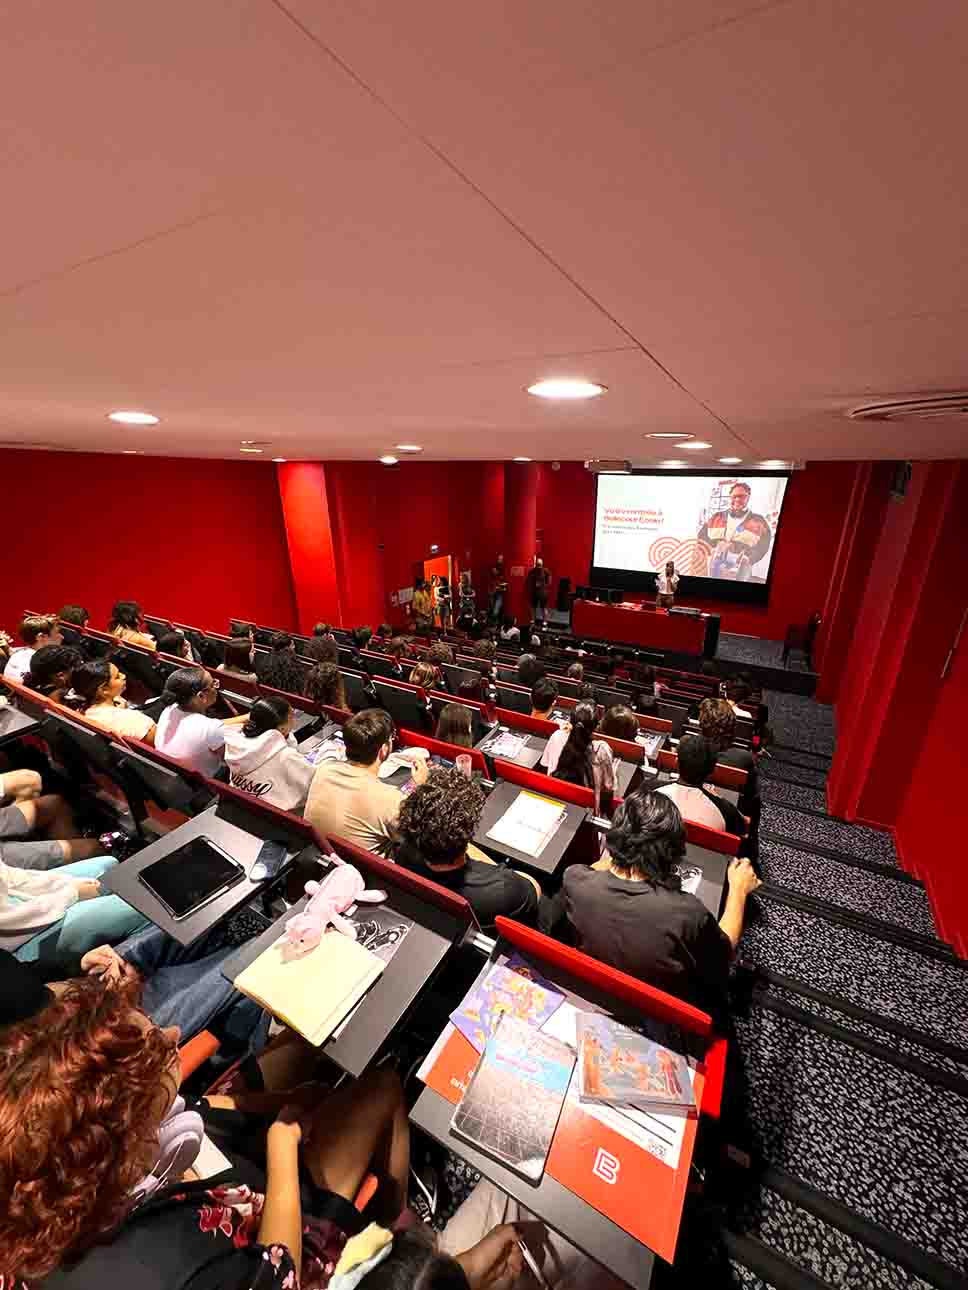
(191, 876)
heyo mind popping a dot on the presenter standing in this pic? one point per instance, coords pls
(666, 584)
(539, 580)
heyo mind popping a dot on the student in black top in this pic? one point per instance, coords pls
(630, 912)
(717, 721)
(434, 831)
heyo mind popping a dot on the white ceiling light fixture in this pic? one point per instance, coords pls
(132, 418)
(388, 460)
(279, 460)
(694, 445)
(671, 464)
(772, 465)
(131, 452)
(730, 461)
(256, 450)
(665, 434)
(522, 458)
(566, 388)
(408, 447)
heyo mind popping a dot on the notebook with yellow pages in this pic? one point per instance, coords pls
(313, 992)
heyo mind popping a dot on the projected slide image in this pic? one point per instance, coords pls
(708, 527)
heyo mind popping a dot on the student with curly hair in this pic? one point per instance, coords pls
(434, 831)
(440, 653)
(50, 670)
(324, 684)
(128, 624)
(321, 649)
(279, 669)
(630, 911)
(81, 1204)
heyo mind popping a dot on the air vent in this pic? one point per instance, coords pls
(932, 408)
(603, 466)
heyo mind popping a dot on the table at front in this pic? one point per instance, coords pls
(646, 627)
(392, 997)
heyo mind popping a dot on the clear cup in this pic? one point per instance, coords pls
(465, 765)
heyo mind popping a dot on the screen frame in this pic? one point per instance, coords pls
(644, 583)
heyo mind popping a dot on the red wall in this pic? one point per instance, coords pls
(198, 541)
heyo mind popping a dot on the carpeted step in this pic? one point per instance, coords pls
(892, 900)
(785, 793)
(821, 1248)
(899, 981)
(874, 1137)
(771, 769)
(854, 839)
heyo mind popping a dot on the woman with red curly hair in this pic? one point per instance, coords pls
(87, 1090)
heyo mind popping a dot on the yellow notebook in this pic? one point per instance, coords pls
(311, 992)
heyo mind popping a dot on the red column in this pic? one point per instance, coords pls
(309, 534)
(520, 527)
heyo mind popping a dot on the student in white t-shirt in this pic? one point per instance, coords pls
(35, 632)
(184, 731)
(697, 762)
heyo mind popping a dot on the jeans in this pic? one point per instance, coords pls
(185, 987)
(497, 606)
(106, 920)
(540, 611)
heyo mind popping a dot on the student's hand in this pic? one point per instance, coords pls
(107, 964)
(419, 771)
(742, 877)
(88, 889)
(287, 1128)
(495, 1263)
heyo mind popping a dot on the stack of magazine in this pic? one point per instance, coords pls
(618, 1066)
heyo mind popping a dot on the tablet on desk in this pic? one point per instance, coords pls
(191, 876)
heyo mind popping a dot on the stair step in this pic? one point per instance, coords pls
(854, 839)
(806, 797)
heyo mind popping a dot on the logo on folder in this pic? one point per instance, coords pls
(606, 1166)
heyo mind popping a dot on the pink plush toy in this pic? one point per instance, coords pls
(329, 900)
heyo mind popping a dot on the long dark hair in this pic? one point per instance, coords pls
(455, 725)
(87, 679)
(576, 764)
(647, 838)
(127, 614)
(183, 685)
(268, 713)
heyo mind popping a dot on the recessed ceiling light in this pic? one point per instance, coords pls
(408, 447)
(388, 460)
(134, 418)
(772, 463)
(694, 445)
(522, 458)
(259, 450)
(730, 461)
(672, 463)
(665, 434)
(279, 459)
(566, 389)
(131, 452)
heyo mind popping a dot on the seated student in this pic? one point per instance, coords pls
(455, 725)
(263, 757)
(346, 799)
(50, 671)
(185, 731)
(35, 632)
(178, 645)
(439, 653)
(321, 649)
(424, 675)
(697, 761)
(630, 912)
(243, 631)
(324, 684)
(65, 909)
(24, 810)
(99, 687)
(544, 696)
(576, 671)
(717, 722)
(279, 668)
(74, 615)
(238, 660)
(485, 648)
(285, 1211)
(738, 695)
(530, 669)
(576, 756)
(434, 831)
(384, 631)
(509, 629)
(127, 623)
(323, 629)
(619, 722)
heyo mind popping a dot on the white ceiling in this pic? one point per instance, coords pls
(335, 225)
